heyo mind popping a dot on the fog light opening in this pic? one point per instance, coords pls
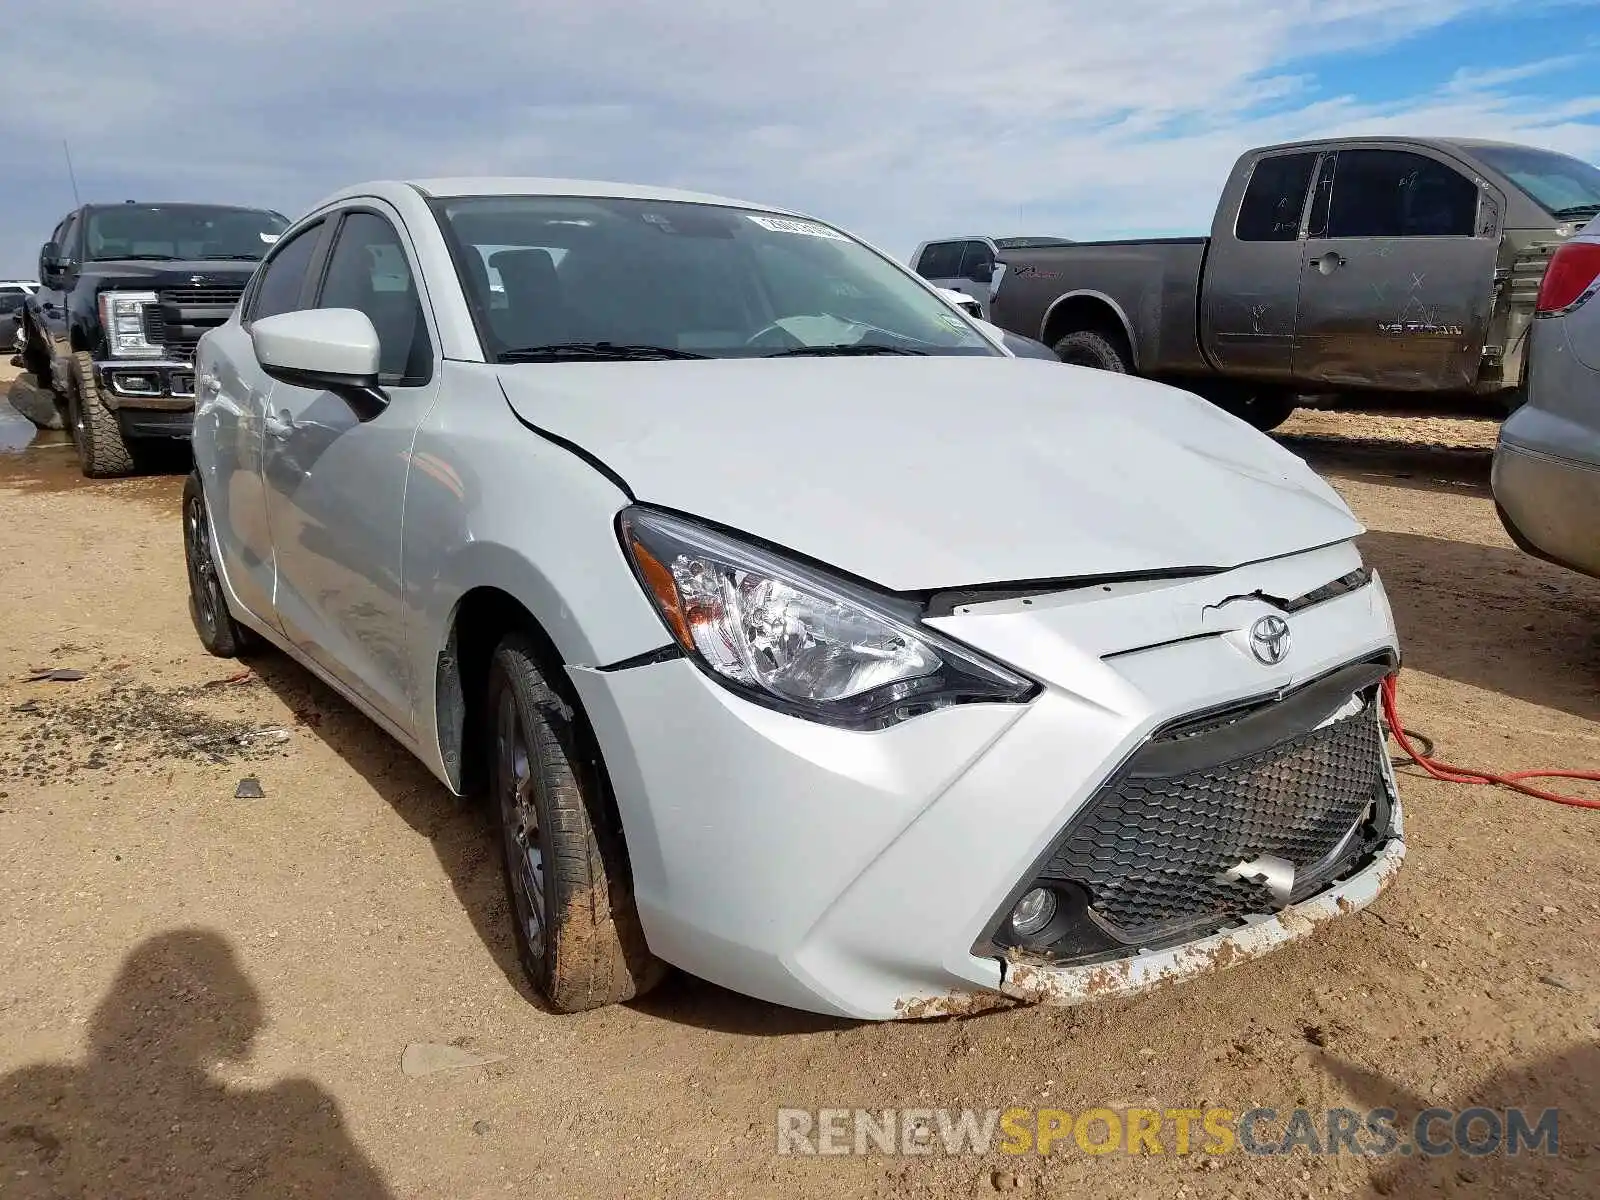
(1033, 912)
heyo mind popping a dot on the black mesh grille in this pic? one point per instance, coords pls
(1149, 848)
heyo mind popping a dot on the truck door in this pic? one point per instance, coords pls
(1397, 275)
(1252, 271)
(51, 298)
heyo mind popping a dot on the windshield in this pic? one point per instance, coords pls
(1562, 185)
(181, 231)
(598, 277)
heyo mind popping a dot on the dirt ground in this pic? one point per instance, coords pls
(210, 996)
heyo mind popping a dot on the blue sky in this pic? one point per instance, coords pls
(901, 119)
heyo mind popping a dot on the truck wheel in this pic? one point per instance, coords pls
(578, 933)
(35, 360)
(208, 605)
(102, 452)
(1265, 410)
(1086, 348)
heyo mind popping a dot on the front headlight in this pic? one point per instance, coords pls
(122, 317)
(794, 639)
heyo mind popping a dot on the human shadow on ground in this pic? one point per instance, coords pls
(1566, 1081)
(142, 1115)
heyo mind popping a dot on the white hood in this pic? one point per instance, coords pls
(925, 473)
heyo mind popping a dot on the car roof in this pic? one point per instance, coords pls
(516, 185)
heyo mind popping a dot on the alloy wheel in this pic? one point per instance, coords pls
(202, 569)
(519, 822)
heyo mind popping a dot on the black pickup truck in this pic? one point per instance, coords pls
(125, 291)
(1374, 265)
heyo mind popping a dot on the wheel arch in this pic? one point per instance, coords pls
(500, 590)
(1086, 308)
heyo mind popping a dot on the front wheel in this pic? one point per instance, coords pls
(102, 450)
(1264, 410)
(577, 929)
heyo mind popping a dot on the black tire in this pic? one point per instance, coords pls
(578, 934)
(34, 358)
(1264, 410)
(1086, 348)
(208, 605)
(102, 451)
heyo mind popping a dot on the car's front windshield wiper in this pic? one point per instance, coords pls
(1573, 211)
(140, 258)
(845, 350)
(594, 351)
(229, 258)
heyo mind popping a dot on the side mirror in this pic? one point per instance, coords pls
(50, 263)
(331, 349)
(982, 273)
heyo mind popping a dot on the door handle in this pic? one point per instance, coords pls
(1330, 262)
(280, 426)
(210, 385)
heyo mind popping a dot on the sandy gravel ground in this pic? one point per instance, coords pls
(210, 996)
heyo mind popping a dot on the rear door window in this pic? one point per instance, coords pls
(1275, 198)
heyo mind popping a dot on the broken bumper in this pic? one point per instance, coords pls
(861, 874)
(1043, 983)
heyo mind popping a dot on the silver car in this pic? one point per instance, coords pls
(784, 661)
(1546, 475)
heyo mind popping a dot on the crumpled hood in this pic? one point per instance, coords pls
(941, 472)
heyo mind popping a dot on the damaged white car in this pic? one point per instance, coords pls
(804, 637)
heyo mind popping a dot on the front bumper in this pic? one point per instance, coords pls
(1047, 983)
(156, 385)
(860, 874)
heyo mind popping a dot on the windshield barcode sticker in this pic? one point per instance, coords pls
(789, 225)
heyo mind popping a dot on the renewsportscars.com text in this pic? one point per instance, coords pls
(1378, 1132)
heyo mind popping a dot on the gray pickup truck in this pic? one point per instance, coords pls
(1374, 265)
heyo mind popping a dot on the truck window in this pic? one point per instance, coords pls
(1568, 188)
(977, 262)
(1394, 193)
(1275, 198)
(940, 260)
(69, 239)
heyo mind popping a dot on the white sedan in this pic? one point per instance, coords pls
(803, 637)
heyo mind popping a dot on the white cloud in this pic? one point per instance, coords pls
(899, 118)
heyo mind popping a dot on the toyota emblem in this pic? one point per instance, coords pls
(1269, 640)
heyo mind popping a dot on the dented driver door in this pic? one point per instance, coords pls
(1397, 273)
